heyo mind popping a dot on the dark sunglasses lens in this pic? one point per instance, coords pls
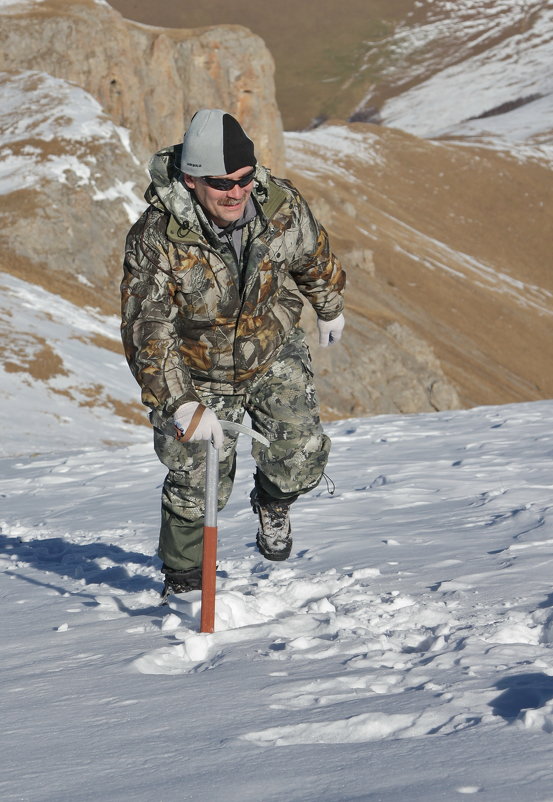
(218, 183)
(247, 179)
(225, 184)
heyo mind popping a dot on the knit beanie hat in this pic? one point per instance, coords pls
(215, 144)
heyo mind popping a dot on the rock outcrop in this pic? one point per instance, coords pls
(149, 80)
(86, 98)
(381, 367)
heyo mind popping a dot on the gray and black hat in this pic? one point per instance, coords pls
(215, 144)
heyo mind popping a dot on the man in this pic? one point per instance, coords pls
(211, 299)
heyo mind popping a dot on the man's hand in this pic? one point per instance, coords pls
(330, 331)
(195, 422)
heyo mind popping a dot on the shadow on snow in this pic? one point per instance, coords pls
(521, 692)
(80, 561)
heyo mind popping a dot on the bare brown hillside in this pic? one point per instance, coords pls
(453, 241)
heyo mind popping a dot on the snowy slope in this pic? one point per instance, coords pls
(64, 381)
(39, 109)
(402, 653)
(476, 70)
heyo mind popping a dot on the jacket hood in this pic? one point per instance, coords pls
(168, 192)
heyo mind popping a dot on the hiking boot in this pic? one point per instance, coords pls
(274, 536)
(180, 581)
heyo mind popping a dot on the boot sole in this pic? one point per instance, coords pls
(274, 556)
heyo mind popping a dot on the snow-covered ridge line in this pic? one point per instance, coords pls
(68, 123)
(49, 108)
(83, 319)
(498, 54)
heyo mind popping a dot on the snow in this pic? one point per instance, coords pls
(332, 146)
(133, 205)
(525, 131)
(28, 110)
(312, 153)
(403, 652)
(60, 407)
(8, 5)
(39, 108)
(497, 53)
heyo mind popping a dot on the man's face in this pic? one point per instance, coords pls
(223, 206)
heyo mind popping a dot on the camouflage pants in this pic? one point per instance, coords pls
(283, 406)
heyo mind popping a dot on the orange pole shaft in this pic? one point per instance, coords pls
(209, 568)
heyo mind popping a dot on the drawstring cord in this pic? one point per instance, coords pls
(330, 486)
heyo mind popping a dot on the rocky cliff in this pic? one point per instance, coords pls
(87, 97)
(149, 80)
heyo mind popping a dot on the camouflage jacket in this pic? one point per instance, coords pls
(185, 322)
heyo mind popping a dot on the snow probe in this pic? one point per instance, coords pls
(209, 558)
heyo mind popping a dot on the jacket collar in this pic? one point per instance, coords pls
(168, 193)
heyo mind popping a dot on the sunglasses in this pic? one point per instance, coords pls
(225, 184)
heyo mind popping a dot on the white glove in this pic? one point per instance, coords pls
(195, 422)
(330, 331)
